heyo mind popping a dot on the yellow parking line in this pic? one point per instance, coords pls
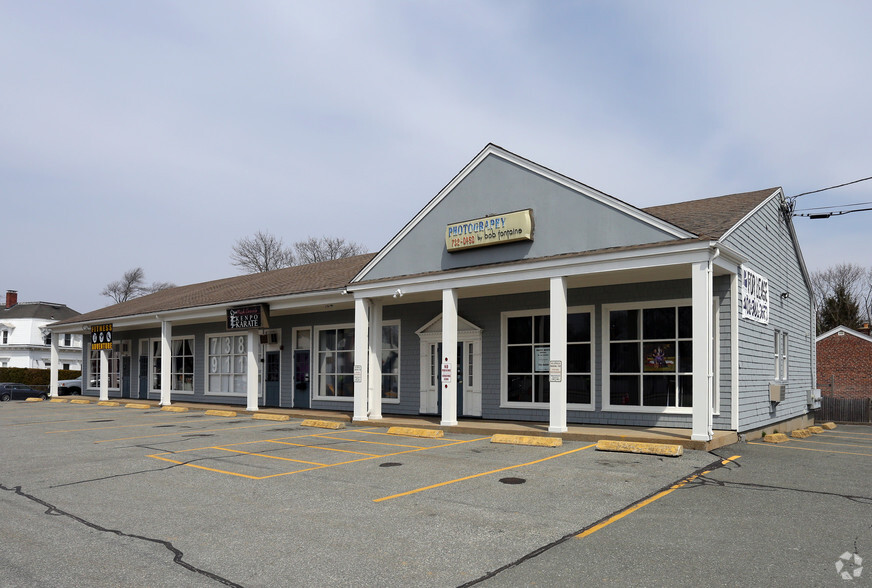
(440, 484)
(863, 436)
(371, 442)
(646, 502)
(271, 456)
(808, 449)
(815, 440)
(322, 448)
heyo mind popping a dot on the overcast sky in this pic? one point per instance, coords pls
(158, 133)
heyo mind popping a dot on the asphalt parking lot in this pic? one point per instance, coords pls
(115, 496)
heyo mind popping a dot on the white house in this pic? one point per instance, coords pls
(25, 342)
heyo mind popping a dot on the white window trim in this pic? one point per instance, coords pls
(206, 356)
(150, 379)
(781, 355)
(316, 348)
(504, 358)
(115, 348)
(606, 349)
(391, 323)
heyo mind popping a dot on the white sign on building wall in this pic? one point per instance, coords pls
(755, 296)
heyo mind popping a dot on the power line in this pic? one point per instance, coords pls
(831, 187)
(835, 206)
(832, 213)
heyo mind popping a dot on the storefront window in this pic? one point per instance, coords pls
(182, 372)
(390, 362)
(335, 362)
(114, 368)
(226, 364)
(650, 357)
(527, 356)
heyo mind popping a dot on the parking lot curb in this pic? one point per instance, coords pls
(80, 401)
(322, 424)
(136, 405)
(265, 416)
(174, 408)
(775, 438)
(59, 400)
(108, 403)
(637, 447)
(410, 432)
(828, 426)
(224, 413)
(33, 400)
(800, 434)
(527, 440)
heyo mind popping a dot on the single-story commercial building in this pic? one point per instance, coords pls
(516, 293)
(844, 362)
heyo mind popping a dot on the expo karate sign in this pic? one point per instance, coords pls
(755, 296)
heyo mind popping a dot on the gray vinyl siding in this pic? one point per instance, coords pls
(765, 240)
(498, 186)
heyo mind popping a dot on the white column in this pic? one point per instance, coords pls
(557, 391)
(375, 375)
(449, 356)
(362, 308)
(55, 360)
(104, 374)
(701, 294)
(252, 382)
(734, 351)
(166, 362)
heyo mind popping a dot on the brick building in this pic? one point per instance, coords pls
(844, 363)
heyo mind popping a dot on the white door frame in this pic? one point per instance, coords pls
(431, 334)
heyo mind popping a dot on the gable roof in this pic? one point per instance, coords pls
(712, 218)
(37, 310)
(313, 277)
(841, 329)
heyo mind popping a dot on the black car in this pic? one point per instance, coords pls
(19, 392)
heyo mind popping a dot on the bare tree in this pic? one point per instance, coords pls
(261, 252)
(839, 287)
(315, 249)
(132, 285)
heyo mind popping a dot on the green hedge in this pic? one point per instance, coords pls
(35, 377)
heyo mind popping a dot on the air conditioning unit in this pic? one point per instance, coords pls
(814, 398)
(776, 392)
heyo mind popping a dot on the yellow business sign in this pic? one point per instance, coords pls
(101, 337)
(490, 230)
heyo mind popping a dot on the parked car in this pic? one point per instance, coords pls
(70, 387)
(19, 392)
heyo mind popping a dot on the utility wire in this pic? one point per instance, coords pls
(834, 206)
(833, 213)
(832, 187)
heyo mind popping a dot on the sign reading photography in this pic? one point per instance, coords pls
(755, 296)
(490, 230)
(247, 317)
(101, 337)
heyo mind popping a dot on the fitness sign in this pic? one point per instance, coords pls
(101, 337)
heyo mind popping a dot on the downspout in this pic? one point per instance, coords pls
(710, 363)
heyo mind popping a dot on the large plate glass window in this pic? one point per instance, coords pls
(114, 368)
(650, 356)
(390, 362)
(182, 364)
(226, 364)
(335, 362)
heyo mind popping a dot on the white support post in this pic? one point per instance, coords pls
(55, 360)
(362, 308)
(375, 373)
(104, 374)
(734, 351)
(557, 389)
(701, 295)
(166, 362)
(449, 357)
(252, 382)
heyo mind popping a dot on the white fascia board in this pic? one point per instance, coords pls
(843, 329)
(606, 262)
(728, 259)
(576, 186)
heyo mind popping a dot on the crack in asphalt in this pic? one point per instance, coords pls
(178, 555)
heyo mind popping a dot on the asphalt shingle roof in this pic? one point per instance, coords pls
(710, 217)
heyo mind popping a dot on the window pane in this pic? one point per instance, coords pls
(391, 337)
(327, 340)
(624, 390)
(624, 357)
(345, 339)
(685, 356)
(658, 390)
(520, 388)
(389, 362)
(543, 389)
(578, 389)
(520, 329)
(520, 359)
(658, 323)
(685, 322)
(345, 362)
(623, 325)
(685, 393)
(345, 385)
(578, 327)
(390, 389)
(578, 358)
(659, 357)
(303, 340)
(542, 329)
